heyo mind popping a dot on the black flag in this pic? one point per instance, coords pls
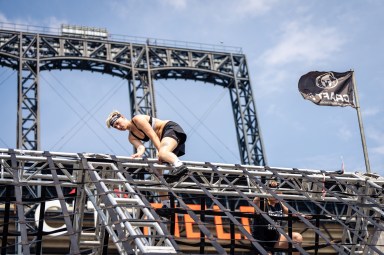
(328, 88)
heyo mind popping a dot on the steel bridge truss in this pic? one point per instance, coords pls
(119, 190)
(140, 64)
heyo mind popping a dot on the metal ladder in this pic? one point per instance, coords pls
(123, 213)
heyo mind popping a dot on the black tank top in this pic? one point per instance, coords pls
(145, 138)
(276, 211)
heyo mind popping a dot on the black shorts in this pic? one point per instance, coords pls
(267, 237)
(173, 130)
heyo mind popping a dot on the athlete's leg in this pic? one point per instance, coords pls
(283, 242)
(167, 145)
(165, 154)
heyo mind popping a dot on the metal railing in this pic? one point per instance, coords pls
(127, 38)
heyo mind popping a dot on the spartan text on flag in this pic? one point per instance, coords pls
(331, 96)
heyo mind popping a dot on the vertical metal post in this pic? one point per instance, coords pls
(150, 84)
(290, 232)
(19, 133)
(151, 102)
(6, 217)
(39, 237)
(202, 218)
(28, 117)
(244, 111)
(242, 138)
(142, 94)
(232, 230)
(366, 159)
(37, 94)
(173, 215)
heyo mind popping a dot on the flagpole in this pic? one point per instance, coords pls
(367, 166)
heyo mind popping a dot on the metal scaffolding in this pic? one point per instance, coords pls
(122, 192)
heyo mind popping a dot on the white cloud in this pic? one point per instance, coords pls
(48, 25)
(345, 133)
(234, 9)
(177, 4)
(253, 8)
(378, 150)
(273, 80)
(124, 9)
(304, 42)
(272, 110)
(372, 111)
(54, 22)
(375, 134)
(300, 42)
(3, 18)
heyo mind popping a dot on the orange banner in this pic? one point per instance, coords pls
(186, 227)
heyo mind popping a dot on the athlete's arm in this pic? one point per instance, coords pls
(256, 200)
(140, 148)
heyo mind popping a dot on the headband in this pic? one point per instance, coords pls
(113, 119)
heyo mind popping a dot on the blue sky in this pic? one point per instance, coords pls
(282, 40)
